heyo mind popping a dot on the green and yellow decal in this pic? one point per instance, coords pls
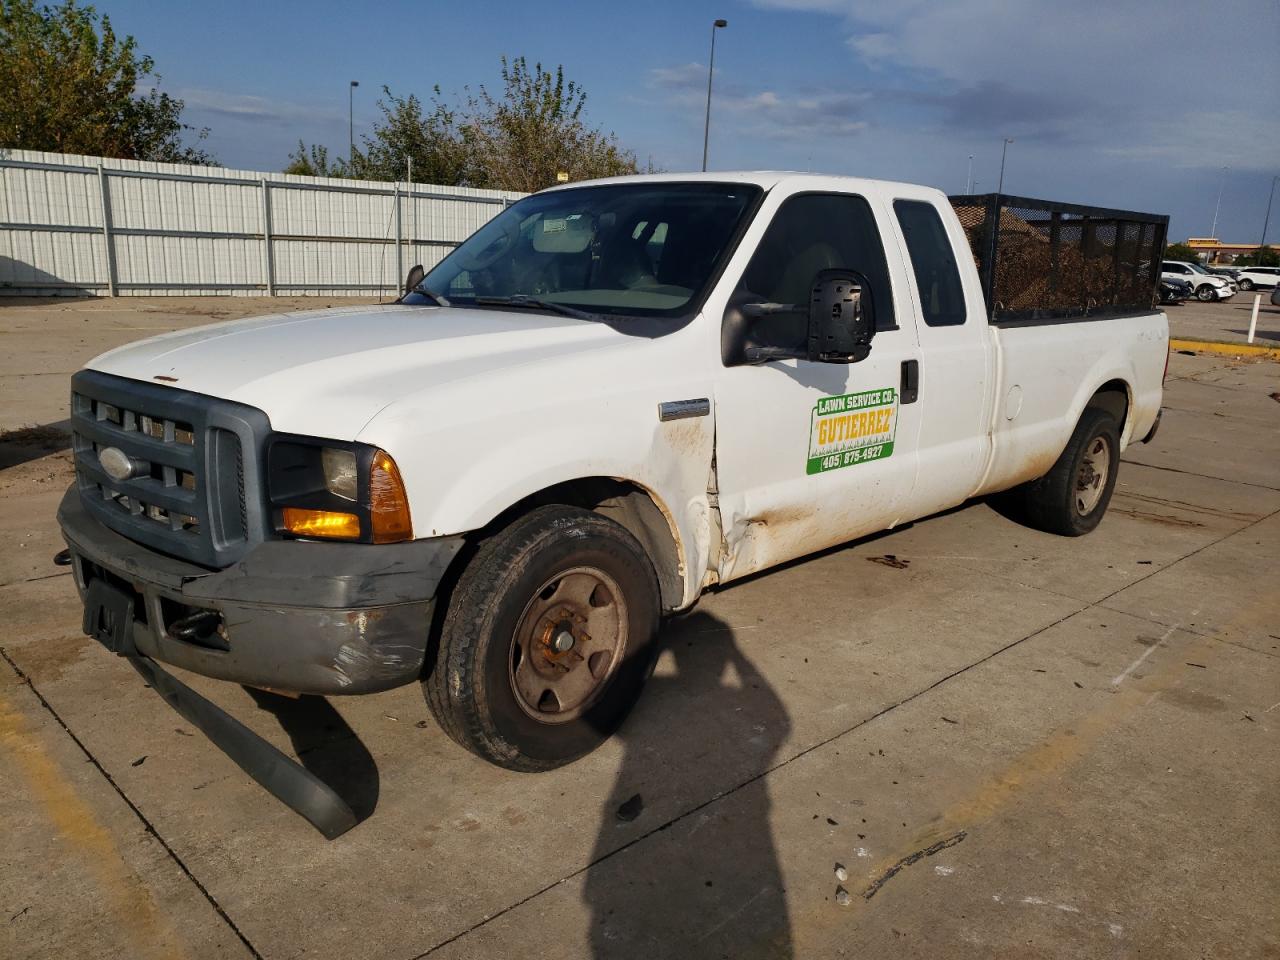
(852, 428)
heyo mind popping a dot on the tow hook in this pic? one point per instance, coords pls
(199, 624)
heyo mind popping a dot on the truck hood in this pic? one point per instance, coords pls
(329, 372)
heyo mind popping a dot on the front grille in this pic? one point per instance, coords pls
(190, 460)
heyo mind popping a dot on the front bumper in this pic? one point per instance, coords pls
(293, 615)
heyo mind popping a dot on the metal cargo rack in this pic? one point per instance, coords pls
(1041, 261)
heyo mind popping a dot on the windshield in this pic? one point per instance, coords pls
(644, 249)
(1197, 268)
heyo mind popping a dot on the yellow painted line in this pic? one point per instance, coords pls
(131, 905)
(1225, 349)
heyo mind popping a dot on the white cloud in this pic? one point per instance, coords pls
(683, 77)
(1102, 70)
(873, 47)
(254, 109)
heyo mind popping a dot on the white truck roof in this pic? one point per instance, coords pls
(761, 178)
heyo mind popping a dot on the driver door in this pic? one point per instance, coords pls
(811, 454)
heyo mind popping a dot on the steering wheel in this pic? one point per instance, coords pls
(508, 232)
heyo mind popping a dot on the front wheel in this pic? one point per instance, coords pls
(1246, 284)
(1073, 496)
(1205, 293)
(548, 640)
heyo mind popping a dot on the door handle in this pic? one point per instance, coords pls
(909, 388)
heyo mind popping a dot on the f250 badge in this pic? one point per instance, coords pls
(852, 428)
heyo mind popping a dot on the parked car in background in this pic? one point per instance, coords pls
(1174, 290)
(1207, 287)
(1262, 277)
(1231, 273)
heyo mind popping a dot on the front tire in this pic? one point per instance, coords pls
(1205, 293)
(1072, 497)
(548, 640)
(1246, 284)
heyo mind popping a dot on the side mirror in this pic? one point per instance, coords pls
(841, 317)
(416, 273)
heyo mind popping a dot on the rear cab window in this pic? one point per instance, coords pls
(933, 262)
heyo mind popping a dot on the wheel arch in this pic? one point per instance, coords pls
(1116, 398)
(632, 506)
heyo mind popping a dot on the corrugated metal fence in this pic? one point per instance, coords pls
(76, 225)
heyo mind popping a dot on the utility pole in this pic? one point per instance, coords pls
(968, 180)
(413, 209)
(1004, 150)
(1262, 244)
(711, 68)
(351, 123)
(1213, 231)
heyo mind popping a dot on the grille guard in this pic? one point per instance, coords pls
(225, 458)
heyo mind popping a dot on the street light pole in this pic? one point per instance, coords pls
(711, 67)
(351, 124)
(968, 180)
(1213, 231)
(1003, 152)
(1262, 244)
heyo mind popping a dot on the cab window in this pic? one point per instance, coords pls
(810, 233)
(933, 262)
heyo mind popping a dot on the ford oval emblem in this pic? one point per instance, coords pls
(116, 463)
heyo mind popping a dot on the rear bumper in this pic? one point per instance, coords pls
(297, 616)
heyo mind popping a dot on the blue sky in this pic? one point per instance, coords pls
(1123, 103)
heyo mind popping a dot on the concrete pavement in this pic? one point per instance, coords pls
(1015, 745)
(1226, 321)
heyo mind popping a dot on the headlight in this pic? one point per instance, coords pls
(336, 491)
(339, 472)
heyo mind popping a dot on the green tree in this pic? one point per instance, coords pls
(313, 161)
(520, 139)
(534, 130)
(71, 85)
(1267, 256)
(1180, 251)
(432, 138)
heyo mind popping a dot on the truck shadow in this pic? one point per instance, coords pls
(705, 880)
(326, 745)
(23, 444)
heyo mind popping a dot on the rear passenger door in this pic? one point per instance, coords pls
(956, 367)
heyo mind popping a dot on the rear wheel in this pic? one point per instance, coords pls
(548, 640)
(1246, 284)
(1073, 496)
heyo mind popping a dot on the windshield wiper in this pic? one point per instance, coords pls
(521, 301)
(440, 299)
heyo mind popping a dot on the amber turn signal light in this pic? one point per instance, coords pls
(388, 503)
(321, 523)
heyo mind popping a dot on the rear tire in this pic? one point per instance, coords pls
(1072, 497)
(548, 640)
(1246, 284)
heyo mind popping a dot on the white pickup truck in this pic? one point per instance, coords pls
(612, 397)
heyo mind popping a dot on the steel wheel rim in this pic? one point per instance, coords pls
(1091, 478)
(567, 645)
